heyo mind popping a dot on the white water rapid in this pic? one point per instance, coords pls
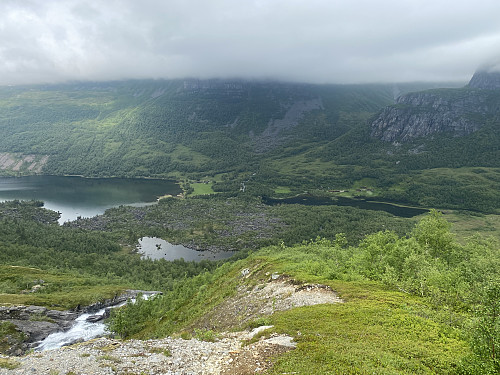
(82, 330)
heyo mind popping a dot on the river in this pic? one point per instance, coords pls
(85, 197)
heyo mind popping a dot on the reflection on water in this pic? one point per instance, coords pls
(156, 248)
(86, 197)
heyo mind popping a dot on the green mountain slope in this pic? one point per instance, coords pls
(417, 303)
(155, 128)
(268, 136)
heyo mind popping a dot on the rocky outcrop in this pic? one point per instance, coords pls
(103, 356)
(34, 323)
(279, 293)
(422, 114)
(228, 352)
(25, 164)
(124, 297)
(456, 111)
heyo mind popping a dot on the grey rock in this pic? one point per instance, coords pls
(273, 135)
(35, 323)
(36, 330)
(124, 297)
(485, 79)
(455, 111)
(61, 315)
(97, 318)
(34, 310)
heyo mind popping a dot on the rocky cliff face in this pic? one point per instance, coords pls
(485, 80)
(458, 111)
(32, 323)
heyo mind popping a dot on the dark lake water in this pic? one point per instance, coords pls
(85, 197)
(157, 248)
(310, 200)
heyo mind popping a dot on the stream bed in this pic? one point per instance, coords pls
(83, 328)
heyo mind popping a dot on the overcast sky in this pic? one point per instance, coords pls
(318, 41)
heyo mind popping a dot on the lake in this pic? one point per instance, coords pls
(309, 200)
(86, 197)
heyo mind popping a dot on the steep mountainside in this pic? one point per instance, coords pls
(485, 80)
(455, 111)
(159, 128)
(170, 127)
(437, 139)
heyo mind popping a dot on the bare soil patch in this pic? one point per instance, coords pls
(279, 293)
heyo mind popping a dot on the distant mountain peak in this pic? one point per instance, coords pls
(486, 78)
(455, 111)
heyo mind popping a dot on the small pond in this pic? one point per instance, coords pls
(157, 248)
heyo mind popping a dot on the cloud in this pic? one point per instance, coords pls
(320, 41)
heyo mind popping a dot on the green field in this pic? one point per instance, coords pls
(59, 291)
(201, 189)
(282, 190)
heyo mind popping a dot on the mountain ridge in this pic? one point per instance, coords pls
(484, 79)
(456, 111)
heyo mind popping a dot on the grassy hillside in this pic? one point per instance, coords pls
(55, 290)
(416, 300)
(418, 304)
